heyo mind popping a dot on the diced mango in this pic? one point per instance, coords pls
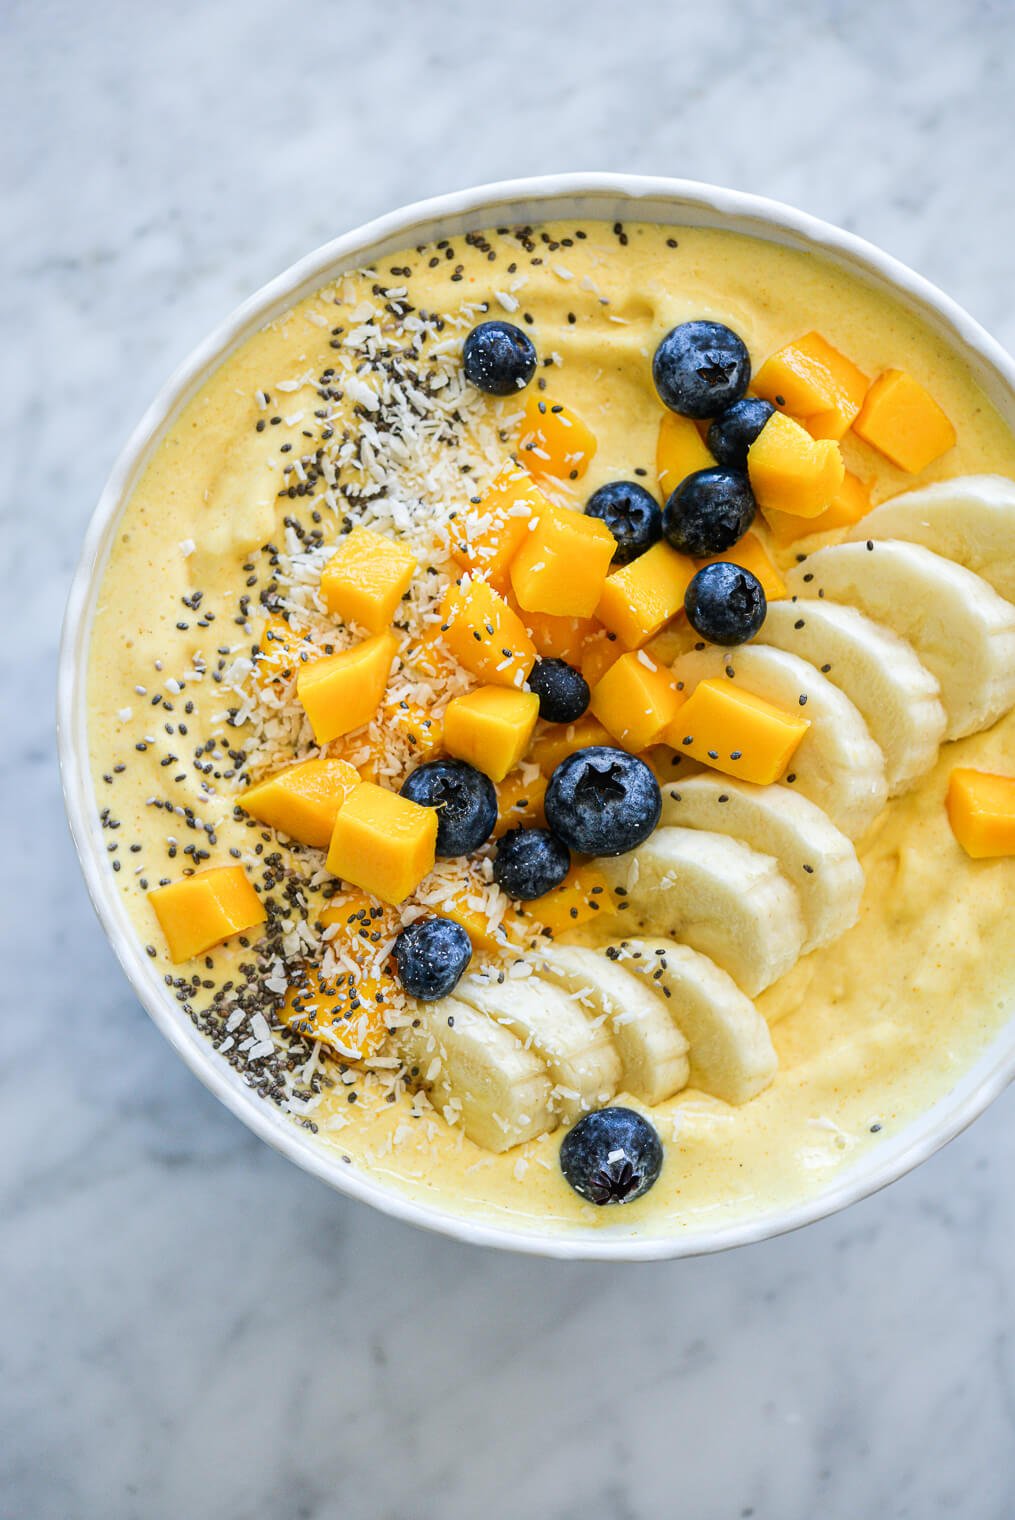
(850, 502)
(750, 554)
(812, 380)
(560, 638)
(485, 635)
(520, 803)
(554, 440)
(281, 652)
(304, 800)
(640, 597)
(510, 503)
(423, 733)
(561, 565)
(981, 811)
(904, 422)
(680, 450)
(383, 843)
(792, 472)
(366, 578)
(343, 691)
(491, 728)
(204, 909)
(466, 908)
(636, 700)
(735, 732)
(347, 1013)
(562, 740)
(598, 655)
(581, 895)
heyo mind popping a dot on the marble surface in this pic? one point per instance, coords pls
(189, 1326)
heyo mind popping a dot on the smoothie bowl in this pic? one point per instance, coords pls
(535, 716)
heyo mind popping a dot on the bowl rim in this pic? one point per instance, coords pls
(686, 201)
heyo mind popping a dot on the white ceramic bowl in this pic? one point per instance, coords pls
(605, 196)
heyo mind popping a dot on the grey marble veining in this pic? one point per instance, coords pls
(191, 1327)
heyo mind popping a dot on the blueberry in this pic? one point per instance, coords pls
(431, 955)
(465, 799)
(632, 515)
(701, 368)
(602, 801)
(735, 429)
(530, 862)
(563, 692)
(709, 512)
(725, 604)
(499, 358)
(611, 1156)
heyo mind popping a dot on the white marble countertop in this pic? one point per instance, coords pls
(190, 1326)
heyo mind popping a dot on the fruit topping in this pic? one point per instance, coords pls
(557, 743)
(343, 691)
(792, 472)
(562, 564)
(904, 422)
(508, 506)
(632, 515)
(346, 1012)
(486, 635)
(520, 802)
(811, 380)
(635, 701)
(530, 862)
(611, 1156)
(280, 652)
(725, 603)
(750, 554)
(581, 895)
(554, 440)
(709, 511)
(701, 368)
(490, 728)
(602, 801)
(383, 843)
(563, 692)
(464, 799)
(736, 732)
(204, 909)
(303, 801)
(499, 358)
(639, 598)
(850, 503)
(680, 450)
(735, 429)
(366, 578)
(431, 955)
(981, 811)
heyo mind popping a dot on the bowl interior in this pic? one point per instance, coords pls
(606, 197)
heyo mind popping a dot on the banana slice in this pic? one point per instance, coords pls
(970, 519)
(716, 894)
(731, 1051)
(583, 1064)
(652, 1050)
(960, 628)
(500, 1089)
(897, 696)
(837, 765)
(814, 856)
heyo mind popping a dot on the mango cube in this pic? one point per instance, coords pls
(850, 502)
(520, 803)
(636, 700)
(680, 451)
(383, 843)
(640, 597)
(347, 1013)
(281, 651)
(560, 638)
(562, 740)
(469, 909)
(981, 811)
(750, 554)
(509, 504)
(562, 564)
(491, 728)
(304, 800)
(735, 732)
(792, 472)
(580, 896)
(485, 635)
(812, 380)
(366, 578)
(554, 440)
(599, 655)
(204, 909)
(904, 422)
(423, 733)
(343, 691)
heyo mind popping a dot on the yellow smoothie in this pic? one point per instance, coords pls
(352, 408)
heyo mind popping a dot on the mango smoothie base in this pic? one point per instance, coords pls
(295, 437)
